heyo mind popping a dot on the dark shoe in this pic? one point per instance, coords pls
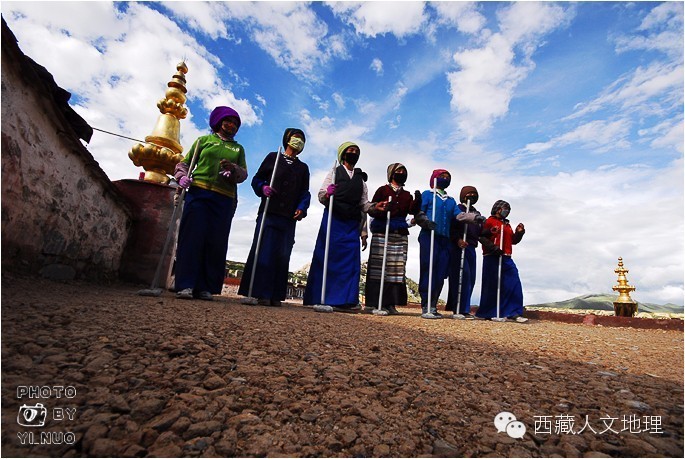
(367, 310)
(185, 294)
(431, 315)
(207, 296)
(276, 303)
(392, 310)
(469, 316)
(263, 302)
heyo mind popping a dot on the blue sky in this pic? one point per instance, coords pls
(572, 112)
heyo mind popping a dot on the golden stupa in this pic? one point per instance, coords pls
(160, 156)
(624, 305)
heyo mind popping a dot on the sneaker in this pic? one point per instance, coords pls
(459, 316)
(392, 310)
(185, 294)
(469, 316)
(431, 315)
(206, 296)
(520, 319)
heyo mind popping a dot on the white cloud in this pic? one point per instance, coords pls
(668, 134)
(290, 32)
(377, 66)
(463, 15)
(523, 24)
(579, 224)
(204, 17)
(484, 85)
(378, 18)
(661, 30)
(651, 89)
(599, 136)
(121, 75)
(339, 100)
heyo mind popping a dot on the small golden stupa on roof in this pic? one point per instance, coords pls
(160, 156)
(624, 305)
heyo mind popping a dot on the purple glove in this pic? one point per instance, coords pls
(185, 181)
(330, 191)
(268, 191)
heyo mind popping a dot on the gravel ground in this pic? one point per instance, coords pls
(165, 377)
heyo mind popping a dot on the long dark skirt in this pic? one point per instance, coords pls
(511, 295)
(468, 279)
(271, 275)
(203, 240)
(344, 260)
(441, 263)
(394, 286)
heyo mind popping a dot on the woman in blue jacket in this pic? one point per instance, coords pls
(446, 210)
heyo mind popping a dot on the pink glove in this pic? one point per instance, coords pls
(330, 191)
(268, 191)
(185, 181)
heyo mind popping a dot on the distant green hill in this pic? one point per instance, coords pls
(605, 302)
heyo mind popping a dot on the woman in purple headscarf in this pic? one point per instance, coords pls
(209, 207)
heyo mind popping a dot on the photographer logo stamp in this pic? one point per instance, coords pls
(35, 416)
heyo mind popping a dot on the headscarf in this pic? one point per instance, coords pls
(499, 205)
(466, 190)
(393, 168)
(435, 175)
(344, 146)
(218, 114)
(289, 132)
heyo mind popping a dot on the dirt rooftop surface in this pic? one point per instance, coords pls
(90, 370)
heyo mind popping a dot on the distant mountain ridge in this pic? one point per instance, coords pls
(605, 302)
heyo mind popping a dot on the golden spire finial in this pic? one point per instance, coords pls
(624, 304)
(160, 156)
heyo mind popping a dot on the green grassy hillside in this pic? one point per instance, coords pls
(605, 302)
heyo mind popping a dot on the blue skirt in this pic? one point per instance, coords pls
(271, 274)
(468, 279)
(203, 240)
(344, 264)
(511, 294)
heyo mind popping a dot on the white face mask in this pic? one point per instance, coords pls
(296, 144)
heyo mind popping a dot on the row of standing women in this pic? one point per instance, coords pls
(449, 235)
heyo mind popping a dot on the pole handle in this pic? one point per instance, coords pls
(461, 262)
(385, 254)
(261, 226)
(174, 214)
(328, 237)
(432, 246)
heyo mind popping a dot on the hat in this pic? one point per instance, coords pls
(289, 132)
(499, 205)
(344, 146)
(435, 175)
(466, 190)
(393, 168)
(218, 114)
